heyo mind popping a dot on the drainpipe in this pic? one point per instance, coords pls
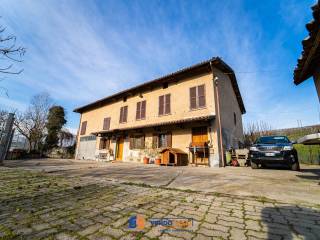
(217, 109)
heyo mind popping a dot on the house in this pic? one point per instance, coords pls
(196, 110)
(309, 62)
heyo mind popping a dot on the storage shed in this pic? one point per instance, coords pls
(174, 157)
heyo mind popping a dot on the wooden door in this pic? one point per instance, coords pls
(199, 135)
(200, 140)
(120, 143)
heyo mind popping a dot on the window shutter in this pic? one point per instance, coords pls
(201, 96)
(107, 143)
(125, 113)
(121, 115)
(169, 139)
(131, 142)
(83, 128)
(167, 106)
(106, 123)
(101, 143)
(155, 141)
(143, 109)
(193, 97)
(142, 142)
(138, 112)
(161, 105)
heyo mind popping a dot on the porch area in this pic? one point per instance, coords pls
(176, 144)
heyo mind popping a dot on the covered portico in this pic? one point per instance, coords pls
(194, 136)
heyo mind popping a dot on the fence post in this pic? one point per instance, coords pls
(6, 136)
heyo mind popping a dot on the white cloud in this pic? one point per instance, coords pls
(79, 51)
(11, 105)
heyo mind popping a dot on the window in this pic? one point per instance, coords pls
(162, 140)
(83, 128)
(164, 105)
(104, 143)
(123, 114)
(272, 140)
(197, 97)
(88, 138)
(137, 142)
(235, 118)
(141, 110)
(106, 123)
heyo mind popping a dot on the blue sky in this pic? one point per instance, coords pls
(80, 51)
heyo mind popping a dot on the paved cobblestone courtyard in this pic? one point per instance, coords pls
(37, 205)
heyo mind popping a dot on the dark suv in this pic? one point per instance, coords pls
(273, 149)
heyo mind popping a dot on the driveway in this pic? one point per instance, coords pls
(281, 185)
(65, 199)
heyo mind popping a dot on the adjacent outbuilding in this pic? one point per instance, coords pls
(309, 62)
(311, 139)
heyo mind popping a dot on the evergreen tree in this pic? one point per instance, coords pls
(55, 121)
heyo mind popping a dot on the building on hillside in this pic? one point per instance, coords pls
(196, 110)
(309, 62)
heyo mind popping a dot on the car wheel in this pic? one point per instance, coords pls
(254, 165)
(295, 166)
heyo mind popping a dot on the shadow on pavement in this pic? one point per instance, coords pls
(315, 174)
(291, 222)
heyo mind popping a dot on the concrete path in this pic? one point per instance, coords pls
(278, 184)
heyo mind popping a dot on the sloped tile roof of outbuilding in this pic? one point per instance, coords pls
(310, 55)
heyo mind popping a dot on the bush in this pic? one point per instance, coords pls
(308, 154)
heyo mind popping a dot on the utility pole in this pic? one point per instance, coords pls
(6, 137)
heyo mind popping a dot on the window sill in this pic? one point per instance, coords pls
(196, 109)
(140, 119)
(163, 115)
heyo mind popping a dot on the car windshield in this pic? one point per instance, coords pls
(272, 140)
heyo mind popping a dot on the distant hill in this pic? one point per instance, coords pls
(295, 133)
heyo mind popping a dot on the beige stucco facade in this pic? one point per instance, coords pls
(231, 116)
(179, 106)
(180, 122)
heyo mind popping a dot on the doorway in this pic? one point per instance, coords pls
(119, 154)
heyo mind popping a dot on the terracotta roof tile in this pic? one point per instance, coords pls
(311, 48)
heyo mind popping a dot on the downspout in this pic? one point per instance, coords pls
(217, 109)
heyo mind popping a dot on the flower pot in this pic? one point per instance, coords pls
(146, 160)
(158, 161)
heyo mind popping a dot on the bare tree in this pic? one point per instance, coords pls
(65, 137)
(3, 115)
(254, 130)
(9, 54)
(9, 51)
(32, 123)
